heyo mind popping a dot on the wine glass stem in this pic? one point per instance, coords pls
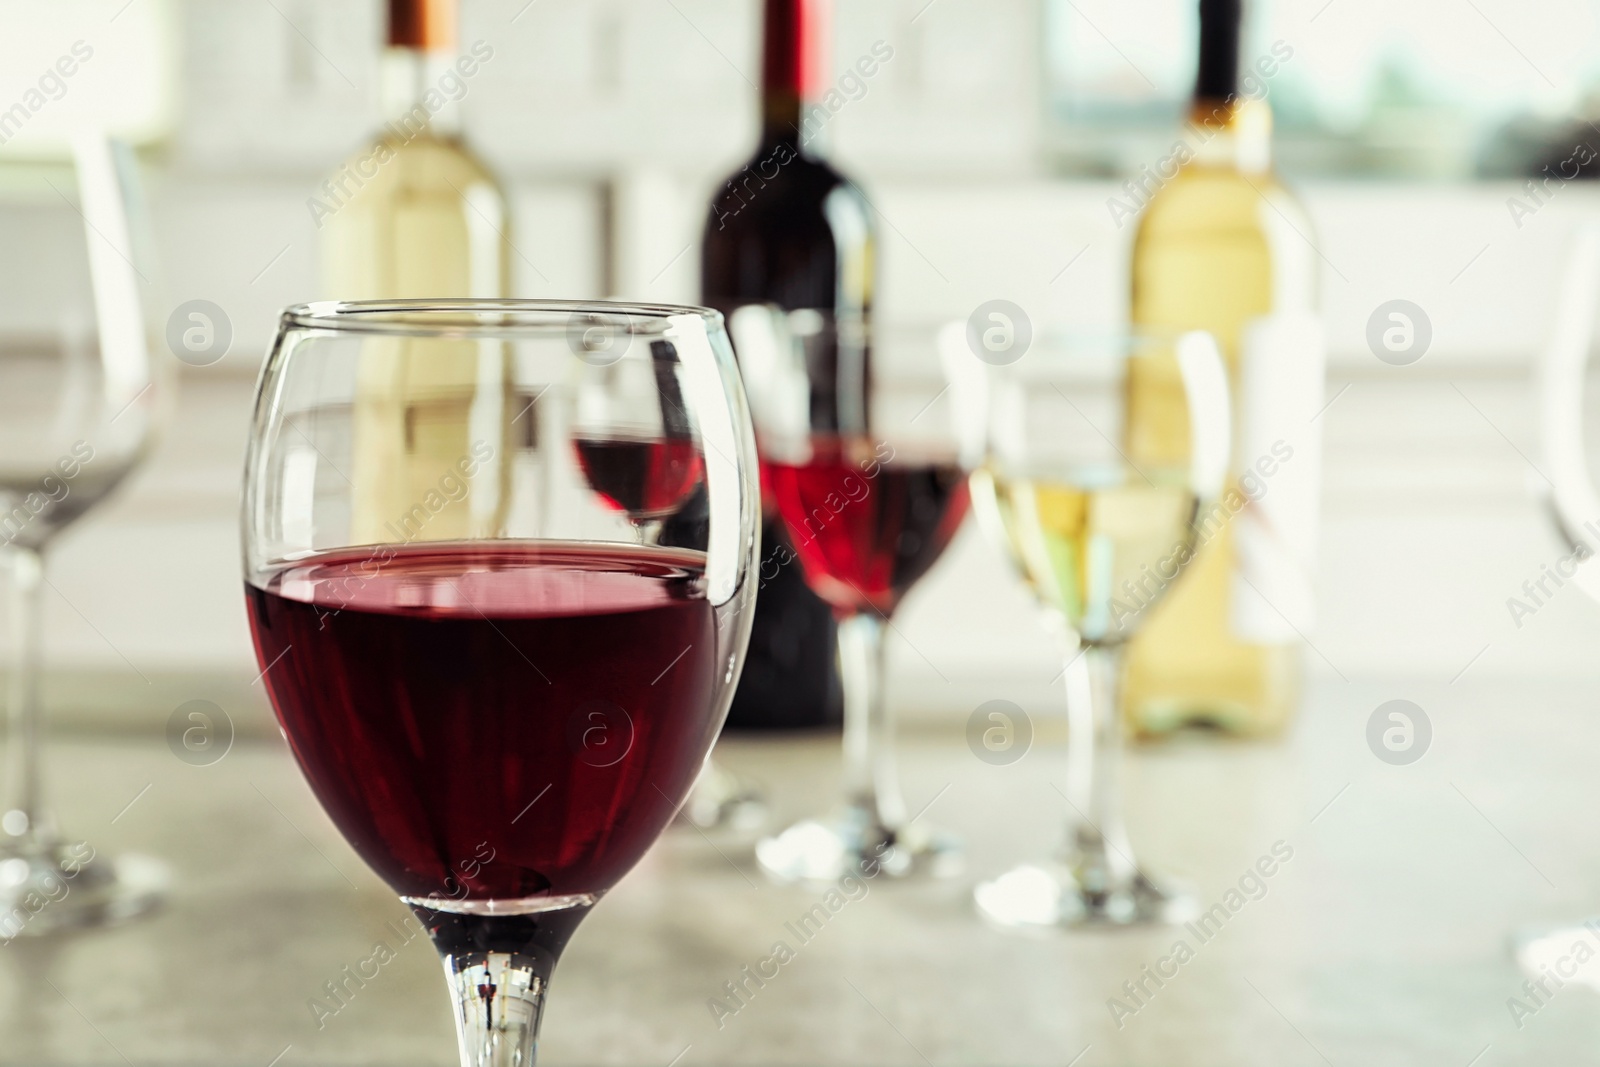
(23, 801)
(1099, 842)
(498, 998)
(871, 781)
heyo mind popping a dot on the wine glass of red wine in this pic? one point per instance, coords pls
(499, 562)
(81, 399)
(1100, 507)
(868, 507)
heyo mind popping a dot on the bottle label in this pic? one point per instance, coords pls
(1280, 396)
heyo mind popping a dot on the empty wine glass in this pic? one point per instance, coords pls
(868, 508)
(79, 402)
(500, 615)
(1100, 521)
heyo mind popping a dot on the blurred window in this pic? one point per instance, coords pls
(1421, 88)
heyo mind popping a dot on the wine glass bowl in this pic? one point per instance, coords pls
(1100, 521)
(499, 618)
(866, 521)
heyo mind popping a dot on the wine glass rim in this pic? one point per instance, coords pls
(487, 317)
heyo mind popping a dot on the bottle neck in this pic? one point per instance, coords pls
(782, 119)
(1217, 75)
(423, 24)
(794, 67)
(1235, 133)
(1226, 129)
(415, 96)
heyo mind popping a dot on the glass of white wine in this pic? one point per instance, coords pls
(1100, 507)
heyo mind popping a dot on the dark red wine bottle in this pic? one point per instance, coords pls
(789, 230)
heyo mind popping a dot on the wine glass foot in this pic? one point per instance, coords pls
(855, 842)
(723, 800)
(48, 889)
(1045, 896)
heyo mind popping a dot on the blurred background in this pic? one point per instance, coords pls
(990, 144)
(993, 146)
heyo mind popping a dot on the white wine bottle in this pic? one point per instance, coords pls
(414, 215)
(1222, 246)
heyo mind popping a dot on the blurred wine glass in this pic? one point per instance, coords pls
(1100, 518)
(79, 400)
(1572, 502)
(868, 508)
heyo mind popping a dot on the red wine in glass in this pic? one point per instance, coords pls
(648, 479)
(494, 720)
(865, 525)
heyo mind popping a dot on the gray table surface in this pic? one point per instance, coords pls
(1384, 940)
